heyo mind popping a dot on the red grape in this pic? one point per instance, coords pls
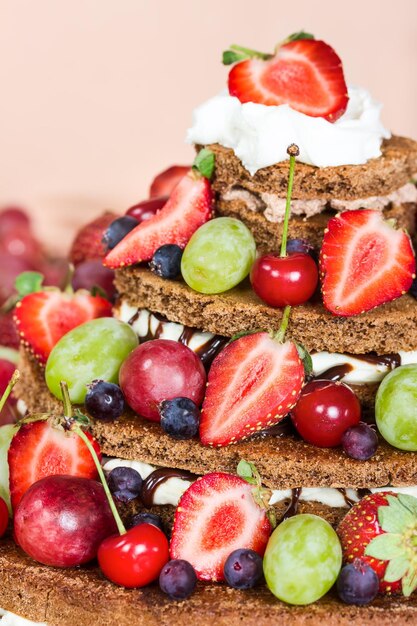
(4, 517)
(147, 208)
(136, 558)
(62, 520)
(21, 243)
(9, 336)
(55, 272)
(92, 273)
(281, 281)
(161, 370)
(324, 411)
(12, 218)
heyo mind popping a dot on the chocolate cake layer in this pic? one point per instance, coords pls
(68, 597)
(268, 234)
(283, 462)
(383, 330)
(377, 177)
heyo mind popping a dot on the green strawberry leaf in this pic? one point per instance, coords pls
(396, 569)
(81, 419)
(385, 547)
(410, 502)
(230, 56)
(305, 357)
(409, 582)
(395, 517)
(235, 54)
(28, 282)
(204, 163)
(301, 34)
(244, 469)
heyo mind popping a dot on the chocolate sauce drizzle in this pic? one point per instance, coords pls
(159, 477)
(338, 372)
(335, 373)
(292, 508)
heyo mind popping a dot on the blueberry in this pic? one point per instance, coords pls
(299, 246)
(125, 483)
(243, 569)
(166, 262)
(180, 418)
(360, 442)
(357, 583)
(178, 579)
(147, 518)
(118, 230)
(104, 401)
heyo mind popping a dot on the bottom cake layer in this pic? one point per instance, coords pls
(82, 596)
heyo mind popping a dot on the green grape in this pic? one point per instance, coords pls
(6, 435)
(302, 559)
(94, 350)
(218, 256)
(396, 408)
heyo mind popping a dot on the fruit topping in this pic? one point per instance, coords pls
(396, 408)
(243, 569)
(93, 351)
(117, 230)
(380, 530)
(62, 520)
(166, 262)
(43, 317)
(88, 243)
(289, 278)
(164, 183)
(124, 483)
(215, 516)
(360, 442)
(324, 411)
(357, 583)
(104, 401)
(218, 256)
(93, 276)
(8, 412)
(364, 262)
(252, 384)
(189, 206)
(180, 418)
(146, 209)
(147, 518)
(4, 517)
(161, 370)
(177, 579)
(302, 559)
(303, 72)
(9, 337)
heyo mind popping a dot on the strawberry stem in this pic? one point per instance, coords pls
(79, 431)
(249, 52)
(293, 151)
(7, 391)
(280, 335)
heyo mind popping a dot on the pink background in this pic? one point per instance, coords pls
(97, 94)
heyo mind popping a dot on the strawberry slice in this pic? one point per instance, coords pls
(215, 516)
(43, 317)
(364, 262)
(190, 205)
(40, 449)
(307, 74)
(252, 384)
(164, 183)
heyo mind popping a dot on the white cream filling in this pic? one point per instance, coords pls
(11, 619)
(259, 135)
(171, 491)
(362, 371)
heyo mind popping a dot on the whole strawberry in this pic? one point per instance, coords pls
(88, 242)
(381, 531)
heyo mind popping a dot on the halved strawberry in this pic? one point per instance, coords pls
(252, 384)
(164, 183)
(190, 205)
(88, 242)
(364, 262)
(41, 449)
(43, 317)
(307, 74)
(216, 516)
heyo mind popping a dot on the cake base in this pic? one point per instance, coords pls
(82, 596)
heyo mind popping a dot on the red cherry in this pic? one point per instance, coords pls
(146, 209)
(281, 281)
(135, 558)
(324, 411)
(4, 517)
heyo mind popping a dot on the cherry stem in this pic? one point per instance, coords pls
(293, 151)
(280, 335)
(7, 391)
(79, 431)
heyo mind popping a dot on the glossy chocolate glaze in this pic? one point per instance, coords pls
(292, 508)
(159, 477)
(335, 373)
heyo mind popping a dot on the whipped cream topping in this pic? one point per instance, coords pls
(171, 491)
(273, 206)
(259, 135)
(11, 619)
